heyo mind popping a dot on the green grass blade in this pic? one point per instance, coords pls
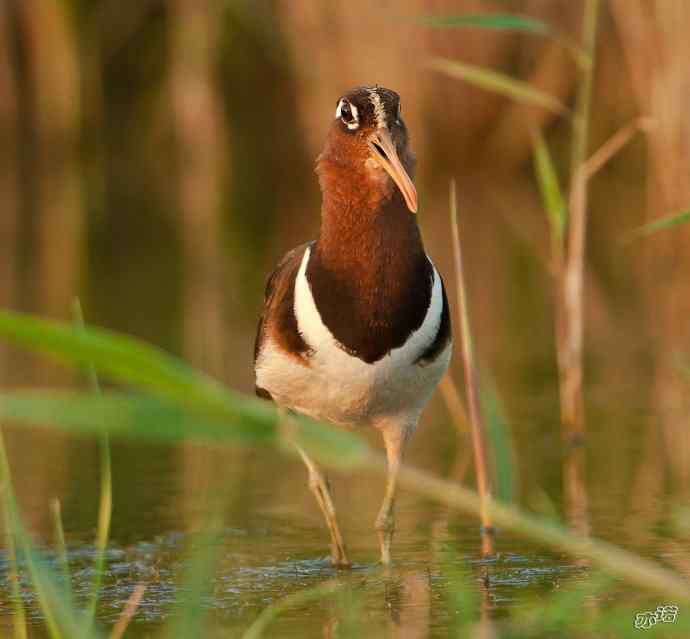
(494, 21)
(550, 189)
(122, 358)
(19, 617)
(498, 434)
(105, 512)
(657, 225)
(498, 83)
(62, 619)
(80, 325)
(214, 413)
(129, 415)
(159, 420)
(156, 419)
(105, 502)
(61, 546)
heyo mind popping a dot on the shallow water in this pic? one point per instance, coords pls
(272, 543)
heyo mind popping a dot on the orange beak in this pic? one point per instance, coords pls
(384, 152)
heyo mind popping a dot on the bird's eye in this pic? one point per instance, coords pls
(347, 112)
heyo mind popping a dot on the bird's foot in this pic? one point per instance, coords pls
(339, 559)
(341, 564)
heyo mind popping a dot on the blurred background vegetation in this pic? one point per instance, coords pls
(156, 159)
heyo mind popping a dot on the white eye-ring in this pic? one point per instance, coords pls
(347, 112)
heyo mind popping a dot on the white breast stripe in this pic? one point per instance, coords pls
(339, 387)
(379, 111)
(321, 340)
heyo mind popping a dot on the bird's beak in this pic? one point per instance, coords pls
(383, 151)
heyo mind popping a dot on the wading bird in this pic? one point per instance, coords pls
(356, 329)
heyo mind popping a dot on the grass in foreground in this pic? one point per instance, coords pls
(180, 404)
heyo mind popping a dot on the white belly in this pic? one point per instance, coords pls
(335, 386)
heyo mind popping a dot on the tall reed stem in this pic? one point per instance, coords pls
(471, 385)
(571, 313)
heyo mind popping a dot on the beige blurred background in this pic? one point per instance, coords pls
(156, 159)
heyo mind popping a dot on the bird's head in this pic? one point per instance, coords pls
(368, 139)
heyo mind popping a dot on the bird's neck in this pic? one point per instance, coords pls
(368, 272)
(365, 222)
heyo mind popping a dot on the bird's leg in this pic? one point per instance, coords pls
(394, 440)
(318, 485)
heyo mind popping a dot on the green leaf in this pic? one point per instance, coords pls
(133, 416)
(659, 224)
(200, 409)
(498, 83)
(495, 21)
(122, 358)
(160, 420)
(550, 188)
(499, 436)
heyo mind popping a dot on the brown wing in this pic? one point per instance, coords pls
(278, 317)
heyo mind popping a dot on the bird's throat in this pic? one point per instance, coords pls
(368, 271)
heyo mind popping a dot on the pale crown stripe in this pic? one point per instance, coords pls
(379, 111)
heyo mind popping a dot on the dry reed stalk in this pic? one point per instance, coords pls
(128, 612)
(472, 387)
(570, 294)
(451, 396)
(50, 45)
(199, 133)
(656, 47)
(574, 464)
(571, 298)
(9, 178)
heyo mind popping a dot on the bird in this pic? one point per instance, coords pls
(356, 328)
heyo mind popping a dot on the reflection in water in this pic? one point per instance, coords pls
(273, 532)
(408, 601)
(575, 486)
